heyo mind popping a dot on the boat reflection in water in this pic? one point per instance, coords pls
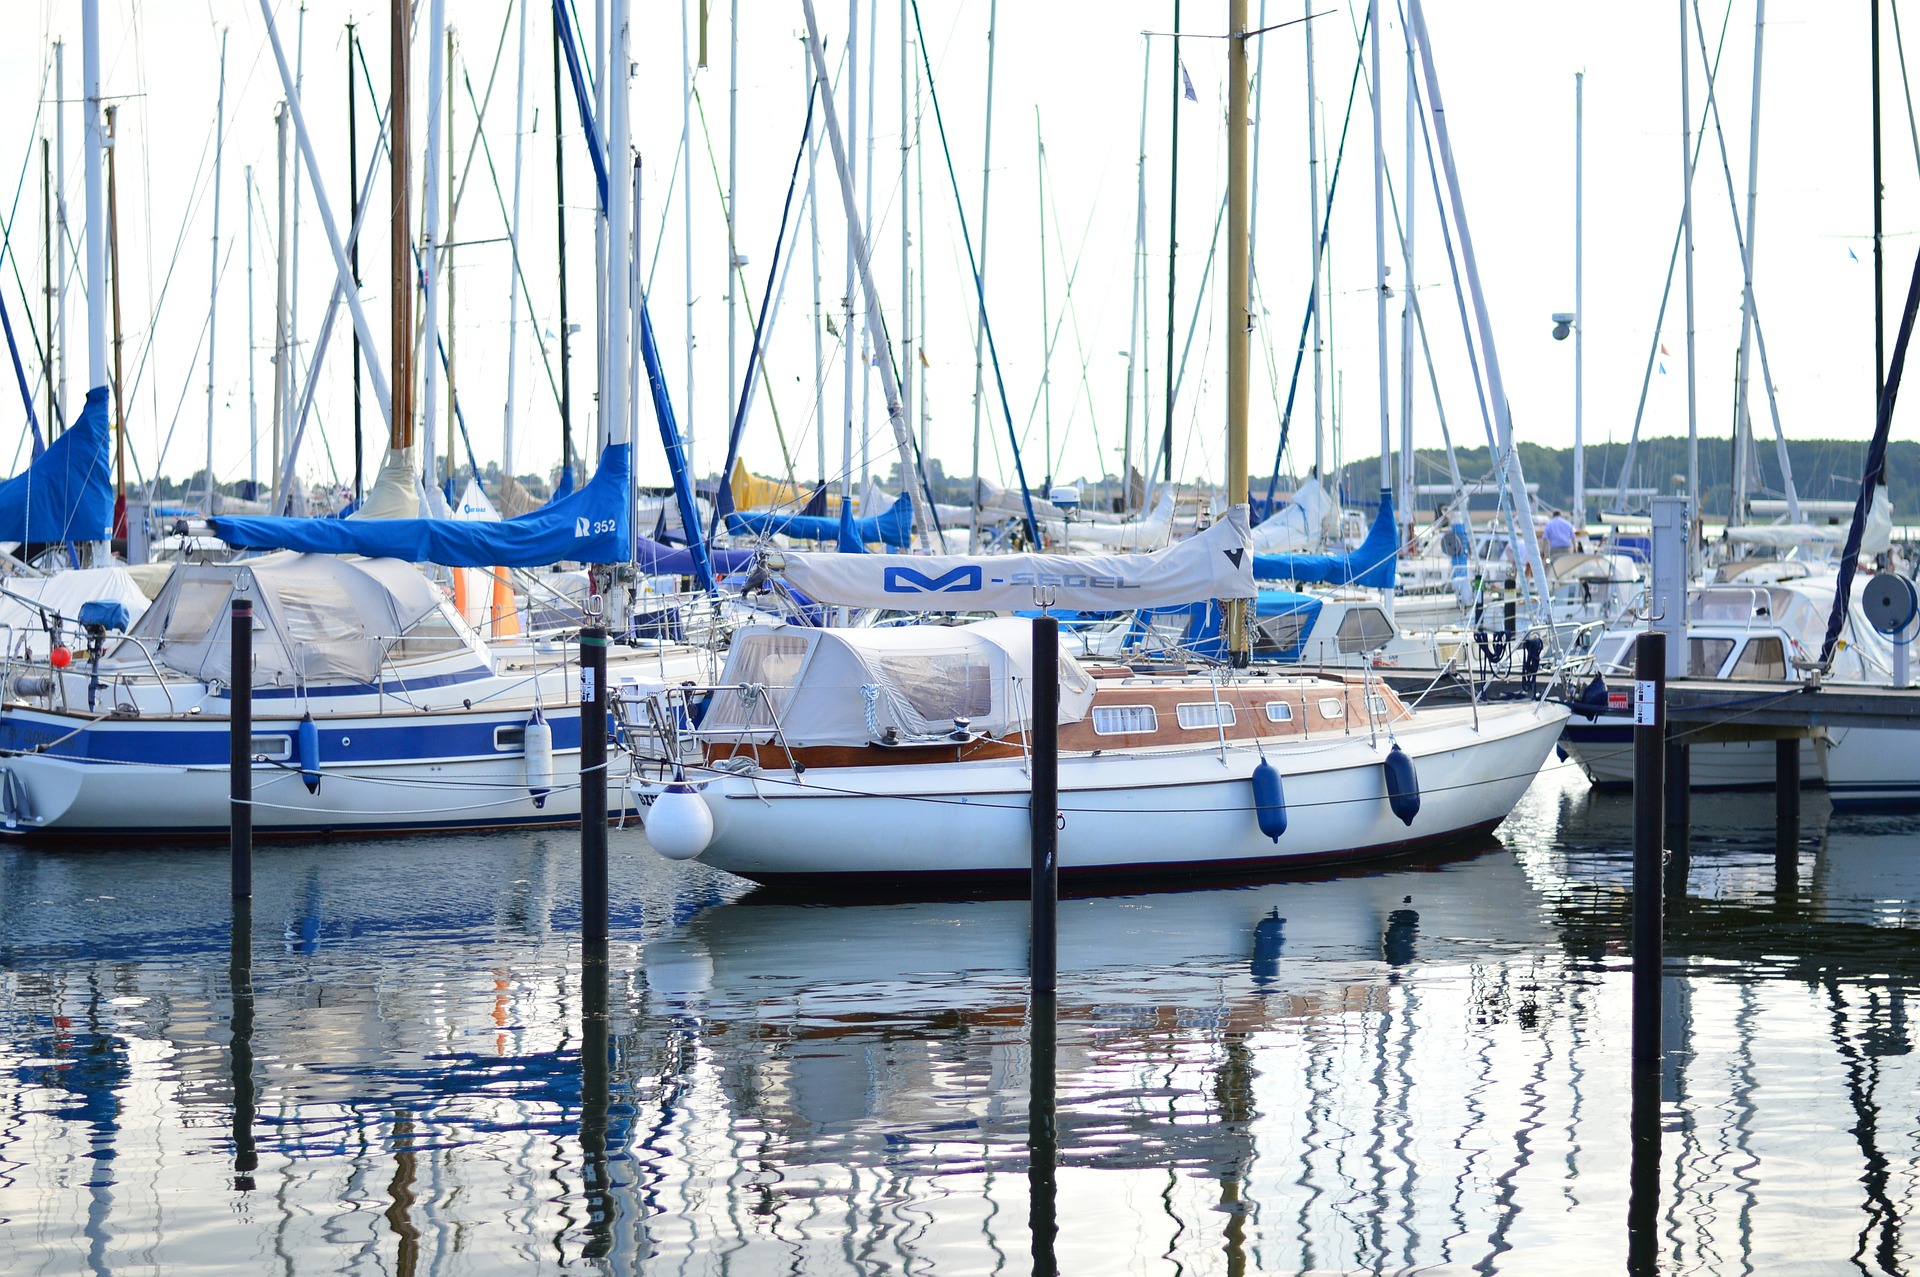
(410, 1068)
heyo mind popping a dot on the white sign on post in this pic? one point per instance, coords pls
(1645, 707)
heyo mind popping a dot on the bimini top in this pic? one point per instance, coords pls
(316, 618)
(895, 684)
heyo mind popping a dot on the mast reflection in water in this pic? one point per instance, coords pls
(416, 1070)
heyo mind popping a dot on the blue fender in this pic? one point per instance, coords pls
(1403, 787)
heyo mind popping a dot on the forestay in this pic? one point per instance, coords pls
(892, 685)
(1216, 564)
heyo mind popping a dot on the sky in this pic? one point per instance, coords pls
(1069, 78)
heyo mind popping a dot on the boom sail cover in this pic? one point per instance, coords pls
(1216, 564)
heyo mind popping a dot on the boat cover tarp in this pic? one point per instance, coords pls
(1282, 620)
(1371, 566)
(894, 527)
(658, 559)
(855, 686)
(65, 493)
(1298, 525)
(590, 526)
(1216, 564)
(62, 594)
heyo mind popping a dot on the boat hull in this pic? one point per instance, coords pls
(1603, 749)
(1148, 814)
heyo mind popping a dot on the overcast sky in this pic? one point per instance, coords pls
(1071, 76)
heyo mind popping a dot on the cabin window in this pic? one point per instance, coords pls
(935, 688)
(1378, 707)
(1707, 655)
(1762, 658)
(275, 748)
(1331, 708)
(1279, 635)
(197, 608)
(1364, 629)
(1279, 712)
(510, 740)
(1205, 714)
(432, 635)
(1122, 720)
(773, 660)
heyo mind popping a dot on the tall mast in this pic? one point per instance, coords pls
(1239, 298)
(1879, 191)
(97, 551)
(291, 413)
(1046, 346)
(866, 216)
(63, 240)
(686, 202)
(400, 242)
(213, 275)
(430, 253)
(560, 262)
(614, 408)
(1579, 294)
(1136, 376)
(353, 251)
(119, 397)
(1313, 254)
(1407, 207)
(49, 288)
(920, 251)
(282, 374)
(513, 273)
(597, 67)
(980, 319)
(906, 235)
(847, 351)
(1686, 226)
(733, 221)
(253, 403)
(819, 315)
(1173, 241)
(1380, 246)
(446, 257)
(1743, 424)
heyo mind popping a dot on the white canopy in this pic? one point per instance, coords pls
(1216, 564)
(62, 594)
(854, 687)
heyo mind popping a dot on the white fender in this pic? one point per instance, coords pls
(538, 750)
(678, 824)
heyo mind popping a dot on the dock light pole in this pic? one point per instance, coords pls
(240, 750)
(593, 784)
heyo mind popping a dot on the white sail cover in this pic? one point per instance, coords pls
(1299, 525)
(1216, 564)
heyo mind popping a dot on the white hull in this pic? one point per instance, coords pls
(1604, 751)
(1127, 814)
(1872, 767)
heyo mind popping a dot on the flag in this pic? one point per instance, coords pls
(1853, 255)
(1187, 81)
(1663, 370)
(1663, 345)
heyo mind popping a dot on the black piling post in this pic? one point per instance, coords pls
(1043, 1134)
(596, 1095)
(1786, 807)
(593, 784)
(240, 751)
(1649, 809)
(1044, 737)
(246, 1157)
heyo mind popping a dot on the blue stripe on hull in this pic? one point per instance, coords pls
(122, 836)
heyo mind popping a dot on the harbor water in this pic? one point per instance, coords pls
(398, 1063)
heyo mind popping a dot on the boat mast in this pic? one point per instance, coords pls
(1046, 345)
(1579, 296)
(213, 283)
(63, 240)
(291, 413)
(1408, 206)
(513, 262)
(1239, 299)
(281, 373)
(1686, 232)
(353, 257)
(866, 217)
(560, 262)
(819, 315)
(1173, 242)
(253, 403)
(1743, 421)
(48, 289)
(1380, 246)
(846, 298)
(980, 282)
(686, 196)
(446, 257)
(906, 235)
(430, 255)
(400, 240)
(1879, 191)
(1138, 291)
(613, 76)
(119, 398)
(1313, 254)
(97, 551)
(920, 248)
(733, 224)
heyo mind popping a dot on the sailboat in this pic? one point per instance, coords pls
(900, 756)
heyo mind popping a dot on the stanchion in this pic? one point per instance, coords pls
(1649, 809)
(1044, 736)
(593, 783)
(240, 751)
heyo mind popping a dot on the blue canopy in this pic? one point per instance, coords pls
(65, 493)
(1197, 627)
(1371, 566)
(894, 528)
(657, 559)
(588, 526)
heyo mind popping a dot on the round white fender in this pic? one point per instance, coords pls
(538, 749)
(678, 824)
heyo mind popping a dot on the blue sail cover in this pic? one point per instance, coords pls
(65, 493)
(1371, 566)
(658, 559)
(589, 526)
(894, 528)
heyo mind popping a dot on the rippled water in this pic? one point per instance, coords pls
(1423, 1067)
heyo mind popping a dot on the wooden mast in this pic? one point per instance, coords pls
(1239, 298)
(400, 431)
